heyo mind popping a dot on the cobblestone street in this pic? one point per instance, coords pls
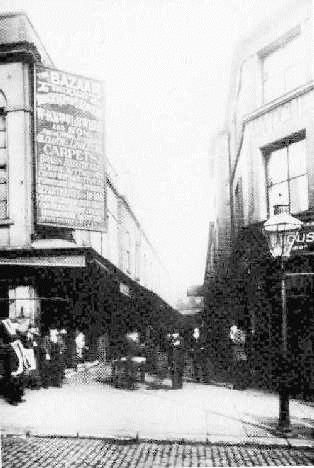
(199, 425)
(35, 452)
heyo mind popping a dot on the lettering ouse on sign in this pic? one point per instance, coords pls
(304, 240)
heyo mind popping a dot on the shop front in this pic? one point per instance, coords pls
(77, 290)
(254, 290)
(71, 289)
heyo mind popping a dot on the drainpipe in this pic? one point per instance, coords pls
(230, 182)
(232, 168)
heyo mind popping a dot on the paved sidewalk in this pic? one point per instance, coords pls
(88, 406)
(39, 452)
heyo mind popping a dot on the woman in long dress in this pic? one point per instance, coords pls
(12, 363)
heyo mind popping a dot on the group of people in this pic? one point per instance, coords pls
(135, 357)
(30, 359)
(182, 347)
(195, 348)
(37, 359)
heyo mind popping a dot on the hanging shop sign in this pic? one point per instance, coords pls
(304, 241)
(70, 161)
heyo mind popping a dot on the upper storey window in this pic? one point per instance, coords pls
(287, 180)
(284, 66)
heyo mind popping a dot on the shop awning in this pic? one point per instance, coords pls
(67, 261)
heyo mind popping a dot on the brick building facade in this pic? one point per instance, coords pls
(266, 151)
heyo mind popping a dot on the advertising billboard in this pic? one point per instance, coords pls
(70, 160)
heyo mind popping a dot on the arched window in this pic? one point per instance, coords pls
(3, 160)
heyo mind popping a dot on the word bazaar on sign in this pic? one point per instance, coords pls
(70, 166)
(85, 85)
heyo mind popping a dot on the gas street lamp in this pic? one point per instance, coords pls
(280, 231)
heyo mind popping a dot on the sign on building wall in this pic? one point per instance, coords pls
(70, 160)
(304, 241)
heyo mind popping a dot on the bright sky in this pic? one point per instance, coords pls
(165, 64)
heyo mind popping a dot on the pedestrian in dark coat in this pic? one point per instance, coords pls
(176, 360)
(63, 349)
(44, 360)
(135, 359)
(55, 355)
(199, 358)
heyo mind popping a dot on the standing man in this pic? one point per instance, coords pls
(198, 356)
(176, 360)
(55, 355)
(44, 359)
(63, 348)
(136, 360)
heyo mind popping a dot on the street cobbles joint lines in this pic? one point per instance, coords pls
(49, 452)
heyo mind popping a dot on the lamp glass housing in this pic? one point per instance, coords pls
(280, 231)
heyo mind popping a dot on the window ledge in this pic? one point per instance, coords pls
(279, 101)
(6, 222)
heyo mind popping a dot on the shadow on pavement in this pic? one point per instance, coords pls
(147, 385)
(300, 428)
(157, 385)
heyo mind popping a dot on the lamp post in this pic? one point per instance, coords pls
(280, 231)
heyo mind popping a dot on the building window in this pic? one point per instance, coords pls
(284, 66)
(3, 169)
(287, 180)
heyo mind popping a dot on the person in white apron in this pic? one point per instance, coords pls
(32, 378)
(239, 357)
(80, 347)
(13, 363)
(13, 389)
